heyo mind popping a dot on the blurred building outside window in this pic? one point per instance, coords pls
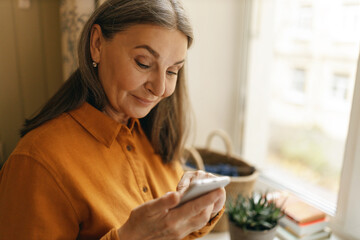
(310, 49)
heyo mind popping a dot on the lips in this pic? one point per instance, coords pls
(144, 101)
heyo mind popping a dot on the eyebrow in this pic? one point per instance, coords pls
(150, 50)
(154, 53)
(179, 62)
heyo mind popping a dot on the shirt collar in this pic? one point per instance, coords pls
(99, 125)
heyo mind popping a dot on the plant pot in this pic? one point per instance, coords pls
(236, 233)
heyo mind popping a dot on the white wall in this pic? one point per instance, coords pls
(212, 65)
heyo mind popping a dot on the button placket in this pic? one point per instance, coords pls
(129, 147)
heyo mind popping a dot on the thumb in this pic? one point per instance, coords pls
(164, 203)
(183, 185)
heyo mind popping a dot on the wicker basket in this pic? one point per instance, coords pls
(243, 184)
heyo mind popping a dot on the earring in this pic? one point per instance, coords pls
(94, 64)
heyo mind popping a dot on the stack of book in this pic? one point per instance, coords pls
(302, 221)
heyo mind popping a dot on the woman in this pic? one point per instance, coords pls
(86, 166)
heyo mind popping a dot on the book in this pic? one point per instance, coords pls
(302, 229)
(283, 234)
(298, 210)
(302, 212)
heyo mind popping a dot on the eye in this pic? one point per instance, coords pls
(143, 66)
(172, 73)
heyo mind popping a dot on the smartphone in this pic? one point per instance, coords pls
(200, 187)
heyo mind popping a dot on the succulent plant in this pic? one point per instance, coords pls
(255, 213)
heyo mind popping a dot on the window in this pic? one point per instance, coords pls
(298, 81)
(302, 25)
(298, 103)
(339, 87)
(295, 93)
(350, 22)
(304, 17)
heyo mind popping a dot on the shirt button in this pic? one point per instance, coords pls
(129, 148)
(145, 189)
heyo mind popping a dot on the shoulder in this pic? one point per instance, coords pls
(59, 146)
(51, 143)
(49, 134)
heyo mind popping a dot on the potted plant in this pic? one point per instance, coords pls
(253, 218)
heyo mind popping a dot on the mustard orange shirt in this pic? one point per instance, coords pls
(79, 176)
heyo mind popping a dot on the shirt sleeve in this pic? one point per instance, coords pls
(32, 205)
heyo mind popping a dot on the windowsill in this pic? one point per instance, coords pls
(265, 183)
(226, 236)
(276, 179)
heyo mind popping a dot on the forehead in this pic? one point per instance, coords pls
(161, 39)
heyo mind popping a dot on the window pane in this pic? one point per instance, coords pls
(313, 49)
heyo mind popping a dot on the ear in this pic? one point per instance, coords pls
(96, 41)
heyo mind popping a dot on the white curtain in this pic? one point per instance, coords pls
(73, 15)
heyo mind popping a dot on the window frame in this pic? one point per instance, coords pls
(346, 220)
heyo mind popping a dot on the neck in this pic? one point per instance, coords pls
(117, 116)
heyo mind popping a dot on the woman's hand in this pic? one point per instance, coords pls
(189, 176)
(161, 219)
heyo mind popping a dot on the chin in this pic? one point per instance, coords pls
(139, 114)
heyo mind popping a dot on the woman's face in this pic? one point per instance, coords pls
(138, 67)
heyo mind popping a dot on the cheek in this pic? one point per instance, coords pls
(121, 80)
(170, 88)
(117, 73)
(127, 83)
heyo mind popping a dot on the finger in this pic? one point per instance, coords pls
(202, 174)
(201, 219)
(183, 184)
(189, 176)
(185, 181)
(163, 204)
(219, 204)
(196, 222)
(188, 224)
(197, 205)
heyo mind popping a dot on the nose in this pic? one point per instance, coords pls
(157, 84)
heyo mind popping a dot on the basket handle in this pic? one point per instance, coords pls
(224, 136)
(197, 157)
